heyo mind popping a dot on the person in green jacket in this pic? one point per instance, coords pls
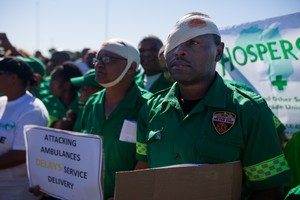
(204, 120)
(112, 113)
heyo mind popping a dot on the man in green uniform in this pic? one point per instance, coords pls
(112, 113)
(203, 119)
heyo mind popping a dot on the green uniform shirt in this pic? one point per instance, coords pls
(77, 125)
(160, 84)
(57, 110)
(278, 124)
(292, 155)
(226, 125)
(44, 90)
(118, 155)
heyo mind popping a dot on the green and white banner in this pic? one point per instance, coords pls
(265, 55)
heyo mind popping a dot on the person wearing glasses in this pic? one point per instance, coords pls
(18, 107)
(112, 113)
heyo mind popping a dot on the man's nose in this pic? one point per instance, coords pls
(180, 50)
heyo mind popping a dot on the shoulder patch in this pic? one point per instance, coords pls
(223, 121)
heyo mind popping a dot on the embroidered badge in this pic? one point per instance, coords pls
(223, 121)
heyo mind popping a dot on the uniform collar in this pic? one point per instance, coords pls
(215, 96)
(130, 99)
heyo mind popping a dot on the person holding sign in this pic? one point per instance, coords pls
(18, 107)
(112, 113)
(204, 120)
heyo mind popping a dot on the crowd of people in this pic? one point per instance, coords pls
(182, 109)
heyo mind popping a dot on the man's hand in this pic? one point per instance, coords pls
(9, 49)
(4, 42)
(37, 191)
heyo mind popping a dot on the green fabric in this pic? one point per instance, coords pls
(77, 125)
(139, 79)
(57, 110)
(292, 155)
(228, 124)
(266, 169)
(87, 79)
(160, 84)
(118, 155)
(278, 124)
(44, 90)
(294, 194)
(36, 65)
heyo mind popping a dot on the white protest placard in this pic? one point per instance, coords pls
(65, 164)
(265, 55)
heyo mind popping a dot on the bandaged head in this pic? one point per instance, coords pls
(124, 49)
(189, 26)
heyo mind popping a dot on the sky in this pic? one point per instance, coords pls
(76, 24)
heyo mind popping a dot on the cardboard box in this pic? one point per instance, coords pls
(208, 182)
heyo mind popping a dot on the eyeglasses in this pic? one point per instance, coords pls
(105, 59)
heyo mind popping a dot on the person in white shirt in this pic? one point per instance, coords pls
(18, 108)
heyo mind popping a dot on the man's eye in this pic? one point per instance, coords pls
(193, 42)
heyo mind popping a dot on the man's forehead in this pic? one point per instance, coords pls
(200, 37)
(149, 44)
(56, 76)
(103, 52)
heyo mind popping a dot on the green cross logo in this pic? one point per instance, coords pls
(279, 83)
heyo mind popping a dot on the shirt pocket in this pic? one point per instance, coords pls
(153, 142)
(213, 151)
(121, 155)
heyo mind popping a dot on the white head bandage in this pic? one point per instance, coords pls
(124, 49)
(188, 27)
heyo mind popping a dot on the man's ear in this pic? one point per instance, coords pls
(132, 68)
(220, 49)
